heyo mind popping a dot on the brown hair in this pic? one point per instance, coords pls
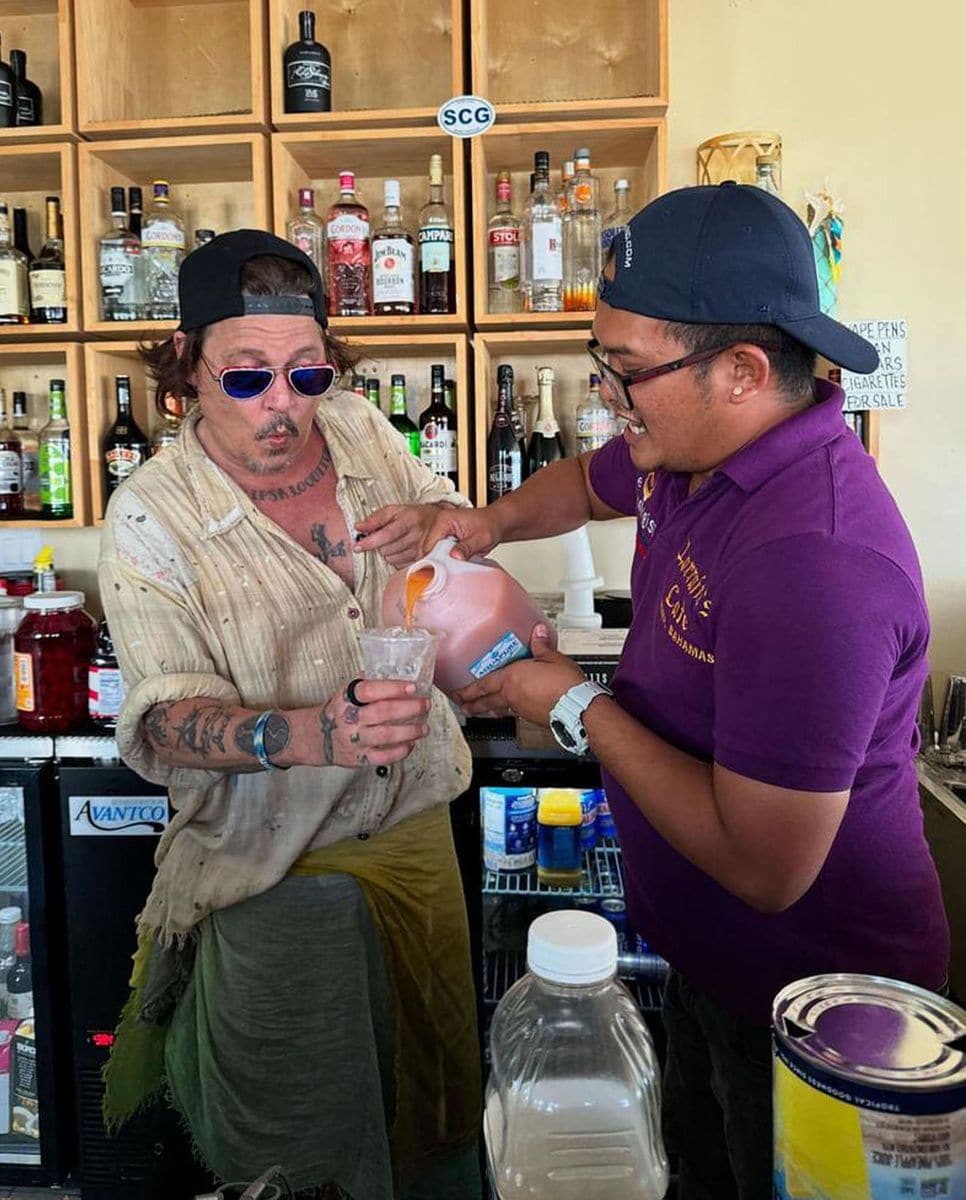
(792, 364)
(265, 275)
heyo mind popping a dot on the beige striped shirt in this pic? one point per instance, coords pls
(208, 597)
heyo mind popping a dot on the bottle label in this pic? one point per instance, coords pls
(31, 475)
(48, 289)
(506, 474)
(13, 288)
(310, 76)
(6, 93)
(347, 227)
(121, 461)
(105, 692)
(593, 429)
(507, 650)
(163, 235)
(547, 251)
(392, 271)
(505, 255)
(23, 668)
(435, 249)
(20, 1005)
(117, 267)
(437, 449)
(55, 489)
(11, 473)
(26, 113)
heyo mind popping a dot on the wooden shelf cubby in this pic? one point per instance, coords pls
(218, 181)
(627, 148)
(310, 160)
(44, 30)
(29, 367)
(392, 63)
(164, 66)
(28, 174)
(606, 59)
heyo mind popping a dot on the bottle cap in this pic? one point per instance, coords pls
(582, 153)
(11, 915)
(392, 193)
(306, 197)
(399, 381)
(23, 939)
(117, 202)
(347, 181)
(622, 185)
(161, 187)
(572, 947)
(435, 169)
(53, 601)
(594, 380)
(541, 161)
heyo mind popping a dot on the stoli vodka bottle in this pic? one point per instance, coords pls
(503, 237)
(349, 253)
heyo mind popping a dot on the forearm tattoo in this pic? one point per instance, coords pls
(202, 728)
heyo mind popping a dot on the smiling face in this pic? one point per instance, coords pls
(266, 435)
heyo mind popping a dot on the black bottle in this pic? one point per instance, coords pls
(308, 71)
(105, 687)
(437, 427)
(135, 201)
(504, 450)
(20, 236)
(27, 96)
(8, 96)
(125, 447)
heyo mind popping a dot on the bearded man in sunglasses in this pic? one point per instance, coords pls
(758, 744)
(302, 983)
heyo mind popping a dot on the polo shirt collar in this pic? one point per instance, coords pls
(780, 447)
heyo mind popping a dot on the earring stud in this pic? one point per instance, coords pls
(736, 391)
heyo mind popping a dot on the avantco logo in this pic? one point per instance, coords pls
(466, 116)
(118, 816)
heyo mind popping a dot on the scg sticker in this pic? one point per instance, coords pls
(466, 116)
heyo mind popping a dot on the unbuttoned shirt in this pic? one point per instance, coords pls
(208, 598)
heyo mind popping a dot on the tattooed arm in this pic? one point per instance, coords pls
(208, 734)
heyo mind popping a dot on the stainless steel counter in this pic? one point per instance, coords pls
(944, 814)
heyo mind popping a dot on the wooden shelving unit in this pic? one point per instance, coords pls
(44, 29)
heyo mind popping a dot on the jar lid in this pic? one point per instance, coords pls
(10, 916)
(10, 602)
(53, 601)
(572, 947)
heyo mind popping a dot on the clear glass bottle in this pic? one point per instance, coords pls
(14, 288)
(563, 196)
(546, 444)
(399, 416)
(349, 253)
(307, 230)
(582, 238)
(437, 427)
(393, 259)
(56, 483)
(503, 252)
(118, 264)
(767, 168)
(544, 242)
(617, 219)
(437, 261)
(167, 432)
(11, 466)
(27, 436)
(525, 288)
(573, 1100)
(47, 274)
(595, 421)
(203, 237)
(163, 249)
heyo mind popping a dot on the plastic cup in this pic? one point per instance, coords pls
(398, 653)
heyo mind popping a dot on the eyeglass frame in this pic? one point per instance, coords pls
(275, 371)
(626, 382)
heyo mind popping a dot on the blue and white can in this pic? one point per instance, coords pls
(605, 822)
(615, 911)
(588, 819)
(509, 828)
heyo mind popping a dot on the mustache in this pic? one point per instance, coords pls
(278, 424)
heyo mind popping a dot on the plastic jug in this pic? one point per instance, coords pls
(482, 616)
(573, 1100)
(559, 829)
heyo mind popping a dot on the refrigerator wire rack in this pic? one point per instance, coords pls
(601, 878)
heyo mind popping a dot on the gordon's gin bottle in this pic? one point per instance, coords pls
(349, 253)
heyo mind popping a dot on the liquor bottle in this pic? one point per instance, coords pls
(359, 385)
(135, 202)
(393, 260)
(595, 422)
(437, 264)
(14, 289)
(308, 71)
(10, 918)
(203, 237)
(504, 452)
(349, 253)
(563, 196)
(437, 428)
(56, 487)
(167, 432)
(582, 239)
(119, 255)
(306, 230)
(8, 98)
(124, 447)
(105, 686)
(372, 393)
(11, 466)
(27, 436)
(163, 249)
(616, 220)
(47, 275)
(399, 417)
(21, 238)
(503, 236)
(766, 172)
(525, 288)
(20, 993)
(544, 242)
(28, 98)
(546, 444)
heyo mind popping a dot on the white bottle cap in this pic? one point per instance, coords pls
(53, 601)
(10, 916)
(572, 947)
(622, 186)
(392, 193)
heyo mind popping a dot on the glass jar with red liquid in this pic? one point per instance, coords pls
(52, 648)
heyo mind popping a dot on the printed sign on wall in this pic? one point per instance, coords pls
(886, 388)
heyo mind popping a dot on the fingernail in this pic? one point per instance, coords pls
(410, 689)
(541, 631)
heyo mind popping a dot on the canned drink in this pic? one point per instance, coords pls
(640, 946)
(588, 820)
(870, 1090)
(615, 911)
(587, 904)
(509, 828)
(605, 822)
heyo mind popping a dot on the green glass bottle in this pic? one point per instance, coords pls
(400, 418)
(56, 493)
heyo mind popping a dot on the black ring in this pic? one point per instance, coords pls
(350, 694)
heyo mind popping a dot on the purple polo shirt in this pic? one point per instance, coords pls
(780, 630)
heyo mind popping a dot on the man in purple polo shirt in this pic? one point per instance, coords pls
(758, 747)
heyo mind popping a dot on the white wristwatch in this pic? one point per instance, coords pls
(566, 723)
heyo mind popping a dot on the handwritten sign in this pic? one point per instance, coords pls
(886, 388)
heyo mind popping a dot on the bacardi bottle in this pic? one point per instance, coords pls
(125, 447)
(56, 482)
(393, 260)
(307, 231)
(437, 263)
(118, 262)
(546, 445)
(308, 71)
(349, 253)
(504, 451)
(503, 237)
(544, 242)
(437, 428)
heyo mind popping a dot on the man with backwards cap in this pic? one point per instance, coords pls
(302, 983)
(758, 744)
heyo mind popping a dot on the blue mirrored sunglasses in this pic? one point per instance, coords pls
(247, 383)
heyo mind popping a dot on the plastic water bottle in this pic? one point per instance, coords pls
(573, 1101)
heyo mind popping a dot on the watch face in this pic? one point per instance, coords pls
(562, 734)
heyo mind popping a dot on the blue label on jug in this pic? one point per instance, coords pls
(509, 828)
(507, 650)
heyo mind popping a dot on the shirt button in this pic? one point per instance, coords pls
(353, 614)
(382, 772)
(363, 837)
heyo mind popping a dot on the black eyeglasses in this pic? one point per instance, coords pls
(246, 383)
(619, 385)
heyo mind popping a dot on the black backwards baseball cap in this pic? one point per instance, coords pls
(728, 255)
(209, 282)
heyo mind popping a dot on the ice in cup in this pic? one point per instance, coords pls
(399, 653)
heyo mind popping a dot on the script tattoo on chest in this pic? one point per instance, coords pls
(327, 549)
(293, 490)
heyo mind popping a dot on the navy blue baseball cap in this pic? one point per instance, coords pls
(728, 255)
(209, 282)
